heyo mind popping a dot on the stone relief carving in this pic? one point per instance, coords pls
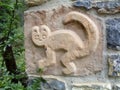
(66, 40)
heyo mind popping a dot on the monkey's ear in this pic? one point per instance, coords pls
(45, 31)
(36, 36)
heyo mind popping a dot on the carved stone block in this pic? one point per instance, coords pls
(62, 42)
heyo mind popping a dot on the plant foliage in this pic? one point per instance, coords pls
(11, 35)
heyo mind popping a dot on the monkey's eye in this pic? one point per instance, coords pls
(44, 30)
(35, 30)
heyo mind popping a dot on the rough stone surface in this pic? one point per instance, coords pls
(113, 33)
(53, 84)
(108, 7)
(92, 86)
(86, 3)
(47, 83)
(116, 87)
(114, 65)
(74, 28)
(35, 2)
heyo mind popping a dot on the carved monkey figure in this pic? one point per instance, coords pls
(67, 40)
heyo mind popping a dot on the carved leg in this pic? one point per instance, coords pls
(69, 66)
(42, 63)
(49, 60)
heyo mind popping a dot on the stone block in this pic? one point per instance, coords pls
(83, 3)
(116, 87)
(46, 83)
(113, 33)
(114, 65)
(102, 6)
(63, 41)
(53, 84)
(92, 86)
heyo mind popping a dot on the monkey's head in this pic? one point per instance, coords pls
(40, 34)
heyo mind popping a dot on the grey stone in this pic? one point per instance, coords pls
(113, 33)
(86, 3)
(46, 84)
(91, 86)
(108, 4)
(114, 65)
(106, 7)
(53, 84)
(116, 87)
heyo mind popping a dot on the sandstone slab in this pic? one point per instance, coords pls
(63, 41)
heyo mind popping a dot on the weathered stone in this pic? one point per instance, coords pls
(116, 87)
(107, 7)
(113, 33)
(53, 84)
(35, 2)
(84, 3)
(114, 65)
(108, 4)
(46, 83)
(65, 40)
(62, 42)
(92, 86)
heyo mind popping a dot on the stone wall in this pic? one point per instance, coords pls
(74, 42)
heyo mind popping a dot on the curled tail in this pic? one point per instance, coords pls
(90, 27)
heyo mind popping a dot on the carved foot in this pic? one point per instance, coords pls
(67, 71)
(71, 69)
(42, 64)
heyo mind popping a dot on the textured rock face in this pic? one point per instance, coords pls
(92, 87)
(47, 84)
(86, 3)
(105, 7)
(53, 84)
(113, 33)
(114, 65)
(116, 87)
(60, 42)
(35, 2)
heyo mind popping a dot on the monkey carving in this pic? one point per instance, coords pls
(67, 40)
